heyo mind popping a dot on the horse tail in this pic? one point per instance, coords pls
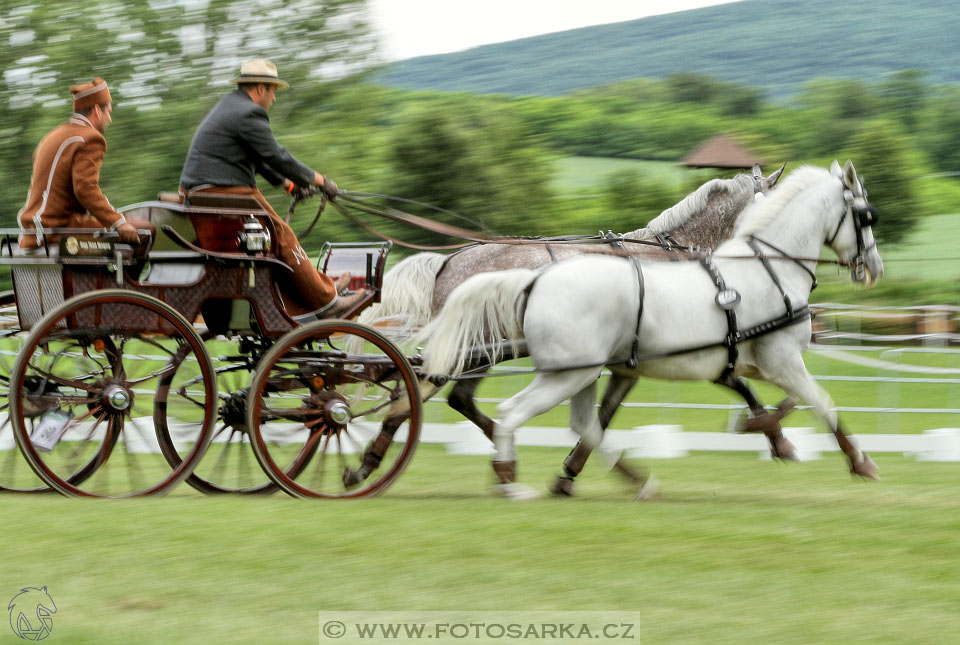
(406, 296)
(484, 311)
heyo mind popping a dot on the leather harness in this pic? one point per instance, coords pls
(727, 299)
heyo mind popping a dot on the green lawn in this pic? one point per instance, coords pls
(737, 551)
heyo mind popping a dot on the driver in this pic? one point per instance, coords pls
(65, 186)
(233, 144)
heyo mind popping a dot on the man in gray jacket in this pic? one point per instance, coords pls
(233, 144)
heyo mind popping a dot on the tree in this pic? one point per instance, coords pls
(631, 200)
(942, 131)
(176, 55)
(903, 94)
(688, 87)
(881, 155)
(474, 161)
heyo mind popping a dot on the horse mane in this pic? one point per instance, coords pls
(694, 203)
(758, 215)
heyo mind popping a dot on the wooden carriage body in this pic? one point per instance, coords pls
(196, 264)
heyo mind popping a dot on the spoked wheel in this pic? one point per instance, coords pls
(84, 390)
(15, 474)
(229, 465)
(317, 405)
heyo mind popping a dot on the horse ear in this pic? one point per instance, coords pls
(771, 181)
(850, 178)
(757, 170)
(835, 169)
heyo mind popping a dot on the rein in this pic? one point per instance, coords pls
(356, 201)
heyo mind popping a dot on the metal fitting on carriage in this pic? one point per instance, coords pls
(254, 238)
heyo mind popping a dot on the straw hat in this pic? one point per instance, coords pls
(259, 70)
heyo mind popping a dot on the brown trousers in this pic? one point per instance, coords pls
(304, 290)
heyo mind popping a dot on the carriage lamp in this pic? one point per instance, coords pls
(254, 238)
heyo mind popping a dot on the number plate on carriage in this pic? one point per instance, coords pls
(50, 430)
(74, 246)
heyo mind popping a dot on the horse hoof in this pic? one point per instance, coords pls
(785, 450)
(516, 492)
(650, 490)
(866, 468)
(562, 487)
(352, 477)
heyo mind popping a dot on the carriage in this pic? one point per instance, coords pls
(124, 367)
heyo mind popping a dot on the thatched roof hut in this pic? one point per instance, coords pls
(721, 151)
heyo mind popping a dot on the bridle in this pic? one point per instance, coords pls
(862, 216)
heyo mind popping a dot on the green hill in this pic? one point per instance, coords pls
(773, 44)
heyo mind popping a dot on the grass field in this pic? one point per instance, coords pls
(736, 551)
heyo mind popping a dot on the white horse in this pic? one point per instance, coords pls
(668, 320)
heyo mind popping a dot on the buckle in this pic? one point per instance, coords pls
(728, 299)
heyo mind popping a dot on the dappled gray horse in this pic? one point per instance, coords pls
(417, 288)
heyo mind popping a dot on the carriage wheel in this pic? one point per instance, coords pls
(15, 474)
(85, 383)
(317, 402)
(229, 465)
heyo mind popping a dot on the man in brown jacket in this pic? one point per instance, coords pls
(65, 187)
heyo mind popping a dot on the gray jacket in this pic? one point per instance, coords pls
(234, 143)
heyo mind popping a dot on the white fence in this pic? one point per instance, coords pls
(670, 441)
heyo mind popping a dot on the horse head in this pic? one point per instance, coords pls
(852, 239)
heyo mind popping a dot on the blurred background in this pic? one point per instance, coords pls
(569, 132)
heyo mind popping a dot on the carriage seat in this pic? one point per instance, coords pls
(170, 198)
(213, 200)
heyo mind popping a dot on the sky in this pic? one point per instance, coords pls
(409, 28)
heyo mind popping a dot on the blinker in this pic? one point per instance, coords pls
(867, 215)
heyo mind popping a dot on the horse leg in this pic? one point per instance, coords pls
(461, 399)
(762, 421)
(617, 389)
(397, 413)
(792, 376)
(586, 422)
(546, 391)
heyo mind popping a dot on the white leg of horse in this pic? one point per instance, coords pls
(791, 375)
(546, 391)
(617, 389)
(585, 421)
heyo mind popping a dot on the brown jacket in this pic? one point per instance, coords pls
(65, 187)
